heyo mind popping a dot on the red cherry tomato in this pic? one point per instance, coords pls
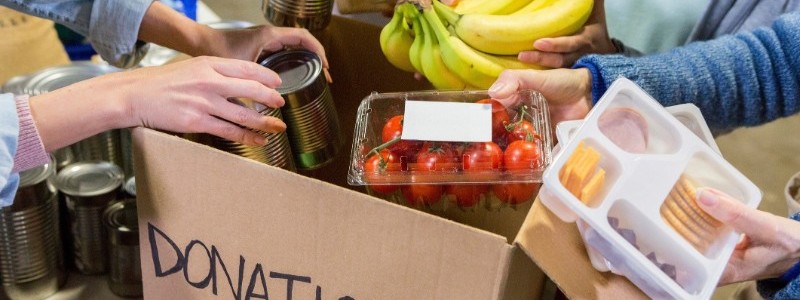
(482, 156)
(377, 167)
(437, 156)
(515, 193)
(467, 195)
(522, 155)
(500, 119)
(426, 194)
(522, 131)
(393, 129)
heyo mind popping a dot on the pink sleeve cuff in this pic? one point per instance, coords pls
(30, 150)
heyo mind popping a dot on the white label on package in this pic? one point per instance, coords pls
(447, 121)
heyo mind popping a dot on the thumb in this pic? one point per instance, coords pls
(509, 82)
(729, 211)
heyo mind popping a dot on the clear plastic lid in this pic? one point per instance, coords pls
(459, 137)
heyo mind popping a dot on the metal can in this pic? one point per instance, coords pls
(53, 78)
(31, 261)
(276, 152)
(126, 151)
(310, 115)
(309, 14)
(125, 270)
(88, 188)
(130, 187)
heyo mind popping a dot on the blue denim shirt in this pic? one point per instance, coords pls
(112, 26)
(9, 134)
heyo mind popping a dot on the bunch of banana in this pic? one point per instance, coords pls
(455, 52)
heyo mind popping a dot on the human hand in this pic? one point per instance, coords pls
(253, 42)
(563, 52)
(770, 244)
(568, 91)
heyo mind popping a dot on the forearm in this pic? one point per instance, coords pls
(741, 80)
(166, 27)
(81, 110)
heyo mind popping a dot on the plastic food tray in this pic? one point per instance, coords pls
(641, 221)
(471, 172)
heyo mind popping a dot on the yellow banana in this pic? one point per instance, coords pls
(534, 6)
(396, 41)
(511, 34)
(474, 68)
(415, 52)
(490, 7)
(432, 64)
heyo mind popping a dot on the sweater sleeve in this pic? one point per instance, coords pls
(30, 150)
(780, 289)
(737, 80)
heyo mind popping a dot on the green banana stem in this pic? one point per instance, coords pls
(447, 13)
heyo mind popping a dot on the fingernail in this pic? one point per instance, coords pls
(497, 87)
(707, 197)
(539, 44)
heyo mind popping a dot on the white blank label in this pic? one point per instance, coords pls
(447, 121)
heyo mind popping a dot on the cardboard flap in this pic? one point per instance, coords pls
(215, 225)
(557, 248)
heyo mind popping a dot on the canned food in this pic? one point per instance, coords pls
(130, 186)
(88, 188)
(53, 78)
(276, 152)
(15, 85)
(125, 271)
(310, 14)
(309, 112)
(31, 262)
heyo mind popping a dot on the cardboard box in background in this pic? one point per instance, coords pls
(217, 226)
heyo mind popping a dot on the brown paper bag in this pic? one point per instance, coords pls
(28, 44)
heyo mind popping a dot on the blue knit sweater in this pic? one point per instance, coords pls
(738, 80)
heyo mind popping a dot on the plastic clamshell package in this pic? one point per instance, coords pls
(641, 221)
(490, 184)
(688, 114)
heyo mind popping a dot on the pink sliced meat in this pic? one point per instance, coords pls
(626, 128)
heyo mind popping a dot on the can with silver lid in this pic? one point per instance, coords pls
(88, 188)
(310, 115)
(276, 152)
(31, 261)
(125, 271)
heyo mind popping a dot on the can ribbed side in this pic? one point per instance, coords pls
(277, 152)
(30, 250)
(104, 146)
(88, 238)
(313, 131)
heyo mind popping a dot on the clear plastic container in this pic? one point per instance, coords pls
(628, 175)
(439, 150)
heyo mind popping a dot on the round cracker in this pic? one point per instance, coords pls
(701, 229)
(689, 196)
(682, 230)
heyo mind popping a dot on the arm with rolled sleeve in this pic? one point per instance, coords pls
(112, 26)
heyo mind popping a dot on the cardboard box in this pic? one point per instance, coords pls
(217, 226)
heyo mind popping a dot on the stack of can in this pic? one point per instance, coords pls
(31, 261)
(310, 115)
(276, 152)
(88, 188)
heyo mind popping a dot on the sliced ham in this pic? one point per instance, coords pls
(626, 128)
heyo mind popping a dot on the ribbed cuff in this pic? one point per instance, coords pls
(598, 84)
(30, 149)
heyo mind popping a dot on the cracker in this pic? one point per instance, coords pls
(700, 228)
(682, 230)
(689, 196)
